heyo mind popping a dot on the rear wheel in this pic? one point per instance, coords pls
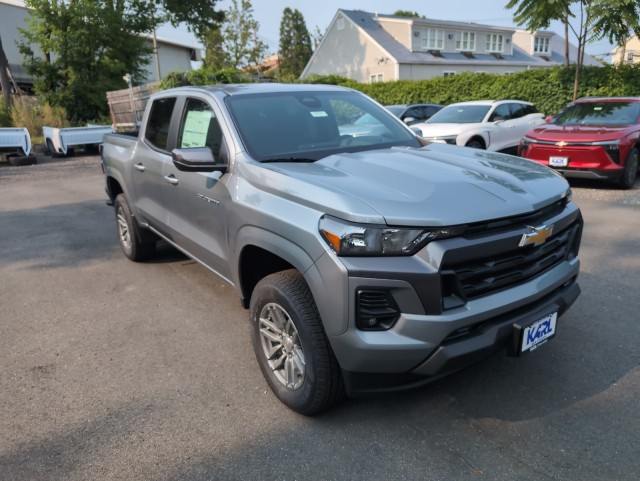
(630, 171)
(132, 240)
(290, 344)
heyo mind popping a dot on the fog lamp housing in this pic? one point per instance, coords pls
(376, 310)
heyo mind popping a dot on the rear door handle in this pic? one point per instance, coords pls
(171, 179)
(139, 167)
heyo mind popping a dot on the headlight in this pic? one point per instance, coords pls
(348, 239)
(612, 148)
(524, 144)
(443, 139)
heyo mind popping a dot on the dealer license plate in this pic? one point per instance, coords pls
(536, 334)
(558, 161)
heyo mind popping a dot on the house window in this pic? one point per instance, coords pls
(377, 77)
(432, 39)
(630, 57)
(495, 42)
(466, 41)
(541, 45)
(448, 73)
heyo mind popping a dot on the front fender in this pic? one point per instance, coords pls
(326, 276)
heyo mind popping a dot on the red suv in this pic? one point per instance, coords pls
(596, 138)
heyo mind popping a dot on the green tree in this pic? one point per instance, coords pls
(295, 44)
(589, 20)
(79, 49)
(316, 37)
(88, 46)
(235, 44)
(200, 16)
(407, 13)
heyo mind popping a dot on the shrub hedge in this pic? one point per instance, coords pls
(549, 89)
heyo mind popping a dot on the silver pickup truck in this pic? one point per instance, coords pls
(369, 259)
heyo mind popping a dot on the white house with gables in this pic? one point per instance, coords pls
(370, 47)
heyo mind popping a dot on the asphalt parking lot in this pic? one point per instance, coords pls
(115, 370)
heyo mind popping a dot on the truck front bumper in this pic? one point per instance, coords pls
(420, 347)
(452, 355)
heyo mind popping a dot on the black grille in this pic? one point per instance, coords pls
(489, 275)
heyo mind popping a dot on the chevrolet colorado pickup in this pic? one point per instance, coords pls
(370, 261)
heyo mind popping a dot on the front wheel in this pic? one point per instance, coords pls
(291, 346)
(129, 234)
(475, 144)
(630, 170)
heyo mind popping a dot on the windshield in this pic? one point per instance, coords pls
(599, 113)
(312, 125)
(460, 114)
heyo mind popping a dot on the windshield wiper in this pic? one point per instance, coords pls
(289, 159)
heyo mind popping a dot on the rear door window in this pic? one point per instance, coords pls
(157, 130)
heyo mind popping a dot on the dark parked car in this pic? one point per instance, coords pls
(594, 138)
(413, 113)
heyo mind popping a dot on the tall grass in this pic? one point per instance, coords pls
(28, 112)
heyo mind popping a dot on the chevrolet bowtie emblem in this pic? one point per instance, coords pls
(537, 236)
(562, 143)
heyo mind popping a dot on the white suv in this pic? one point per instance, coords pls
(496, 125)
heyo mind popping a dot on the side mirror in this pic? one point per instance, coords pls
(199, 159)
(409, 120)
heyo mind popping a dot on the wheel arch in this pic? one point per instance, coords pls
(113, 188)
(479, 138)
(261, 253)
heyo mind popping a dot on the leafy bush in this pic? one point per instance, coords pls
(204, 76)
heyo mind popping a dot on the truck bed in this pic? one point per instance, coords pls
(60, 140)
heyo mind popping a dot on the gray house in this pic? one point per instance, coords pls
(172, 55)
(369, 47)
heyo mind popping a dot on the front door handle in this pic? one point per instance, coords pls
(171, 179)
(139, 167)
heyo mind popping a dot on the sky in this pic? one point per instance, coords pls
(319, 13)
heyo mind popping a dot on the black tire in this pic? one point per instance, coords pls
(17, 160)
(475, 144)
(630, 171)
(284, 299)
(135, 244)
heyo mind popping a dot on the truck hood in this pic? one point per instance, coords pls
(445, 130)
(579, 133)
(436, 185)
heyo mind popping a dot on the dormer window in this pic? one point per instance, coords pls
(432, 39)
(466, 41)
(495, 43)
(541, 45)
